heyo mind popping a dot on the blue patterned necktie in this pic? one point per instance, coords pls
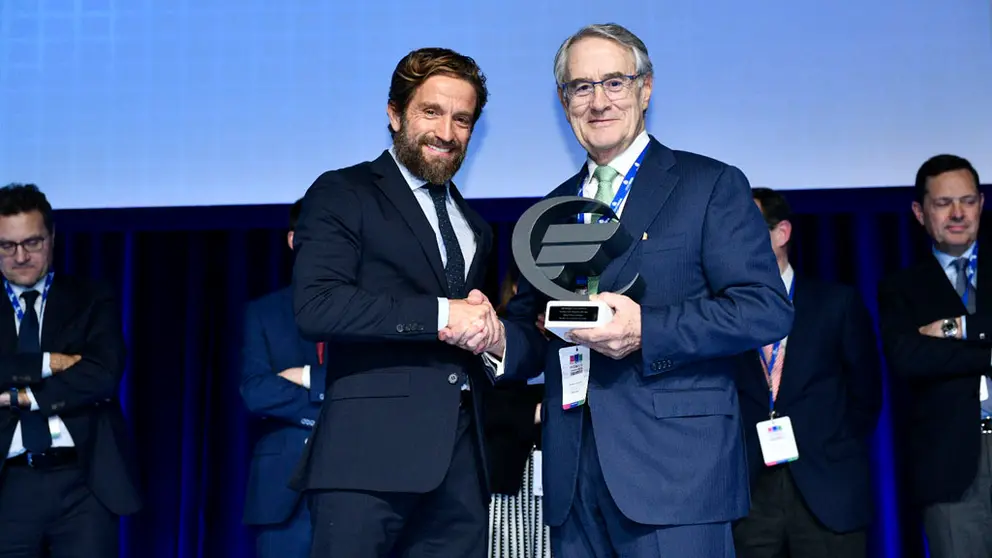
(605, 175)
(34, 427)
(454, 269)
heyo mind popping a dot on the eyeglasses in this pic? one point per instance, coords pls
(581, 91)
(31, 245)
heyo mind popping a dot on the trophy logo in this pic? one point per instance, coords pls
(553, 250)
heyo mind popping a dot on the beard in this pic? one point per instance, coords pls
(408, 151)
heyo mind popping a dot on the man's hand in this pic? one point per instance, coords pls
(618, 338)
(59, 362)
(933, 329)
(22, 399)
(294, 375)
(472, 324)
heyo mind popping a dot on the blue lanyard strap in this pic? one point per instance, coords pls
(12, 297)
(770, 363)
(970, 272)
(624, 186)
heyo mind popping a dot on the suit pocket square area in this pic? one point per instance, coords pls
(662, 243)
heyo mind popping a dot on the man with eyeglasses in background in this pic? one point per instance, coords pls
(64, 479)
(648, 461)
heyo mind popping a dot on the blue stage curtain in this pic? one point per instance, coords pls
(184, 275)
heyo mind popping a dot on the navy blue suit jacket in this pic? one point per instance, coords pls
(272, 343)
(367, 277)
(666, 418)
(831, 390)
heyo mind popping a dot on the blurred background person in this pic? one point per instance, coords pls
(826, 377)
(282, 384)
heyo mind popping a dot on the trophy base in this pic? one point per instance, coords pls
(562, 316)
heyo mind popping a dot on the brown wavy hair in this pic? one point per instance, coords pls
(422, 64)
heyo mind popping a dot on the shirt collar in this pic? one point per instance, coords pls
(39, 286)
(624, 161)
(412, 181)
(946, 260)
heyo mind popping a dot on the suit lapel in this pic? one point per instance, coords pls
(799, 336)
(939, 289)
(649, 191)
(8, 331)
(983, 304)
(394, 186)
(59, 308)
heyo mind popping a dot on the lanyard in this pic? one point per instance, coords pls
(970, 272)
(624, 186)
(12, 297)
(770, 363)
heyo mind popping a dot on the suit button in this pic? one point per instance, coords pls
(399, 328)
(452, 379)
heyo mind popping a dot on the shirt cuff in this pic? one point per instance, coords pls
(305, 377)
(495, 364)
(46, 365)
(34, 402)
(964, 327)
(442, 313)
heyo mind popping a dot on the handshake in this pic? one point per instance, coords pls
(473, 325)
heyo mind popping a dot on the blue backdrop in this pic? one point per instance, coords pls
(184, 275)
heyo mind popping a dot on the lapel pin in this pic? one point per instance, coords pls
(645, 237)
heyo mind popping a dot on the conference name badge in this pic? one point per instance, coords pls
(778, 442)
(574, 375)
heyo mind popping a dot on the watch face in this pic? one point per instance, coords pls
(949, 328)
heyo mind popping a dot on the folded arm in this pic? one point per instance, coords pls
(95, 376)
(264, 392)
(912, 354)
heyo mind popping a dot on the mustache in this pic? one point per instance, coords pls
(435, 142)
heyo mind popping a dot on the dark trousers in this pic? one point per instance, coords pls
(448, 522)
(596, 528)
(289, 539)
(963, 529)
(780, 524)
(52, 514)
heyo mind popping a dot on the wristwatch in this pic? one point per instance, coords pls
(14, 403)
(949, 328)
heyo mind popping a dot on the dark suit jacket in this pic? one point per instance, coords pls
(666, 417)
(367, 277)
(940, 417)
(287, 412)
(510, 433)
(80, 318)
(831, 390)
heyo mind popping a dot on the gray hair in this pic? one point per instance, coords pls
(610, 31)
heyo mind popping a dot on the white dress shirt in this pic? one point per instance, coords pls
(60, 434)
(622, 163)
